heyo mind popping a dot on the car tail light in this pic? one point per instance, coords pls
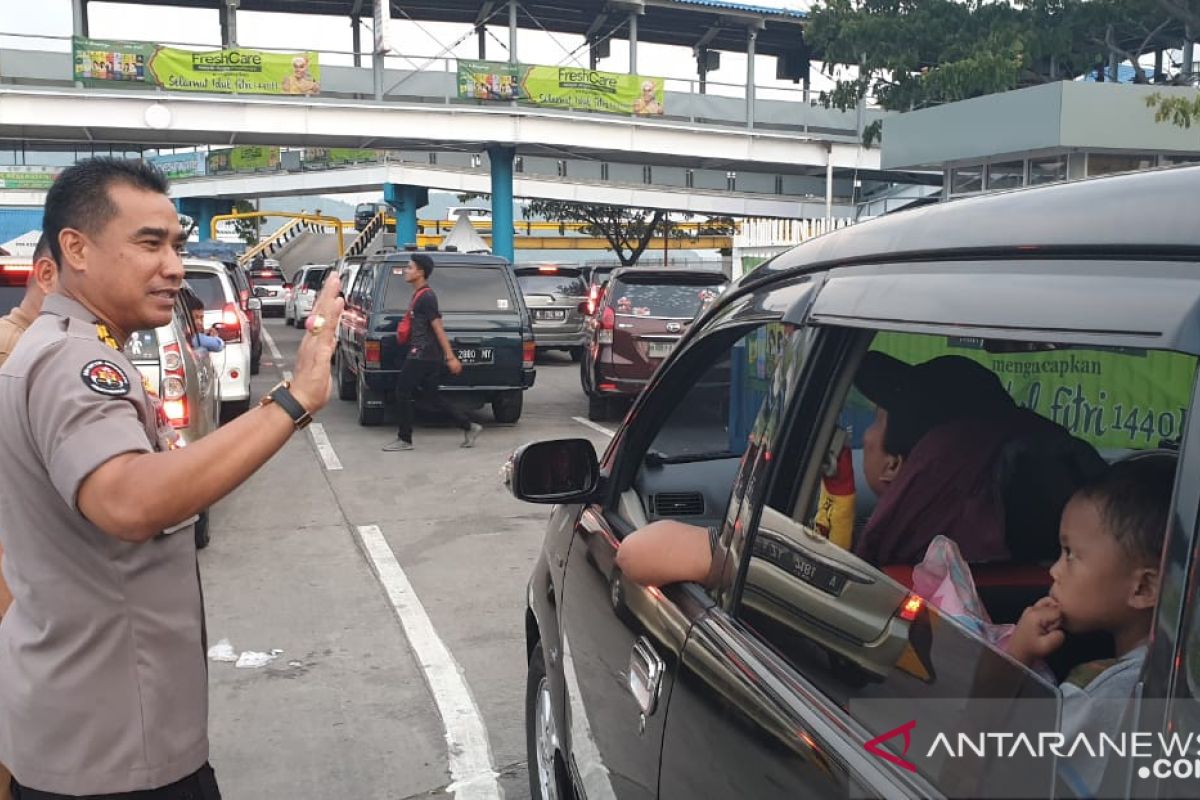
(608, 387)
(548, 269)
(371, 353)
(593, 301)
(174, 386)
(608, 322)
(244, 296)
(15, 274)
(231, 324)
(528, 354)
(911, 608)
(287, 287)
(177, 412)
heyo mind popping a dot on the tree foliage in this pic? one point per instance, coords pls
(248, 230)
(911, 54)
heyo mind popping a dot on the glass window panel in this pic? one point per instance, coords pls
(1047, 170)
(1109, 163)
(966, 179)
(1006, 175)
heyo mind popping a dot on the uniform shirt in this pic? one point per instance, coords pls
(423, 342)
(104, 685)
(12, 326)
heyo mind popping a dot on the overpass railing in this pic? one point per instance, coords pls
(40, 60)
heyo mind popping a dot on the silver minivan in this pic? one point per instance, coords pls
(553, 294)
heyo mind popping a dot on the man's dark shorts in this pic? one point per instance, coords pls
(200, 785)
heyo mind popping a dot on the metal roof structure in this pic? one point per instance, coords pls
(715, 24)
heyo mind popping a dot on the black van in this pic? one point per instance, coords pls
(802, 666)
(484, 316)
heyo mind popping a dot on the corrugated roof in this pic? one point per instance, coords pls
(749, 9)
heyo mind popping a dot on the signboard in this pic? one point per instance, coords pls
(571, 88)
(1113, 399)
(337, 156)
(250, 158)
(383, 27)
(233, 71)
(28, 177)
(179, 165)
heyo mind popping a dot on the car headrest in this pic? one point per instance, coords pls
(1036, 476)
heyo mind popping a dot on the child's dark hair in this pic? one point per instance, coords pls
(424, 262)
(1134, 499)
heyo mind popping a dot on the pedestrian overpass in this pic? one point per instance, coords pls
(777, 155)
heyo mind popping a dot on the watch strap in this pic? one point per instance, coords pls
(283, 398)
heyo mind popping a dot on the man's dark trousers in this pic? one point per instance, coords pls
(422, 377)
(200, 785)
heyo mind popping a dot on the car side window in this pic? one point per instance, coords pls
(367, 282)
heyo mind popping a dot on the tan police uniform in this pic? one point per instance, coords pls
(12, 326)
(104, 684)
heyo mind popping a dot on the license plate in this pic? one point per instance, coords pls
(550, 314)
(659, 349)
(475, 355)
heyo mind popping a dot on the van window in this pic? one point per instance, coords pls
(671, 300)
(207, 286)
(459, 288)
(561, 283)
(1002, 449)
(314, 278)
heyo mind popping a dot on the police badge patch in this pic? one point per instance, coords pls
(106, 378)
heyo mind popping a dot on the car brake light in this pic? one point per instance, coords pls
(548, 269)
(15, 274)
(608, 321)
(371, 353)
(174, 386)
(593, 301)
(608, 387)
(528, 354)
(231, 324)
(287, 286)
(911, 608)
(177, 412)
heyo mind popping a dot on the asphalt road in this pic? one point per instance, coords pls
(350, 707)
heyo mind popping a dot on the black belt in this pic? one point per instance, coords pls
(200, 785)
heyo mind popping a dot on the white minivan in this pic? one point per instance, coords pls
(224, 316)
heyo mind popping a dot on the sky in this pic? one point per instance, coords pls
(52, 18)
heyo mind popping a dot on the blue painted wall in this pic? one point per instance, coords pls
(16, 221)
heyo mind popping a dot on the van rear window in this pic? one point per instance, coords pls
(208, 288)
(459, 289)
(676, 300)
(564, 283)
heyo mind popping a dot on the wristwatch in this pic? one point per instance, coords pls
(283, 398)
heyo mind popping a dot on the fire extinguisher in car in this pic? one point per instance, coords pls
(835, 504)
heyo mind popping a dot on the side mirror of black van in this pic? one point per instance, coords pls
(554, 471)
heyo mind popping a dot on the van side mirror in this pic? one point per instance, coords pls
(254, 304)
(554, 471)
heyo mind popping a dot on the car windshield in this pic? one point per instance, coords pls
(207, 287)
(679, 300)
(459, 288)
(563, 283)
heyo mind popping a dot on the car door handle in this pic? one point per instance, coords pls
(645, 675)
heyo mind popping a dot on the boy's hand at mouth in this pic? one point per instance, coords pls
(1039, 632)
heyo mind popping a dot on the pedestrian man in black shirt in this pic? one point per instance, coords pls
(428, 349)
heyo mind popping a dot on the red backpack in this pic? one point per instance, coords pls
(404, 329)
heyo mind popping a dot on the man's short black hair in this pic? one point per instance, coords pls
(42, 250)
(1134, 499)
(424, 262)
(79, 197)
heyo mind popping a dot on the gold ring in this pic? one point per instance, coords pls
(315, 323)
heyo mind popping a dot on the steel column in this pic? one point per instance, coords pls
(828, 186)
(633, 42)
(512, 31)
(751, 40)
(501, 158)
(356, 37)
(79, 17)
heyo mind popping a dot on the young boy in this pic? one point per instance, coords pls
(1106, 579)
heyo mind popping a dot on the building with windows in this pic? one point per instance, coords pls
(1043, 134)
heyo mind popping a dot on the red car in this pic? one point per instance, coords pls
(637, 321)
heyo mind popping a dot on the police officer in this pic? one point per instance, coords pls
(104, 685)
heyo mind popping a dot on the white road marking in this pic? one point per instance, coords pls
(473, 776)
(594, 426)
(275, 354)
(324, 448)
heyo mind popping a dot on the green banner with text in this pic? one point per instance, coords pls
(573, 88)
(250, 158)
(232, 71)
